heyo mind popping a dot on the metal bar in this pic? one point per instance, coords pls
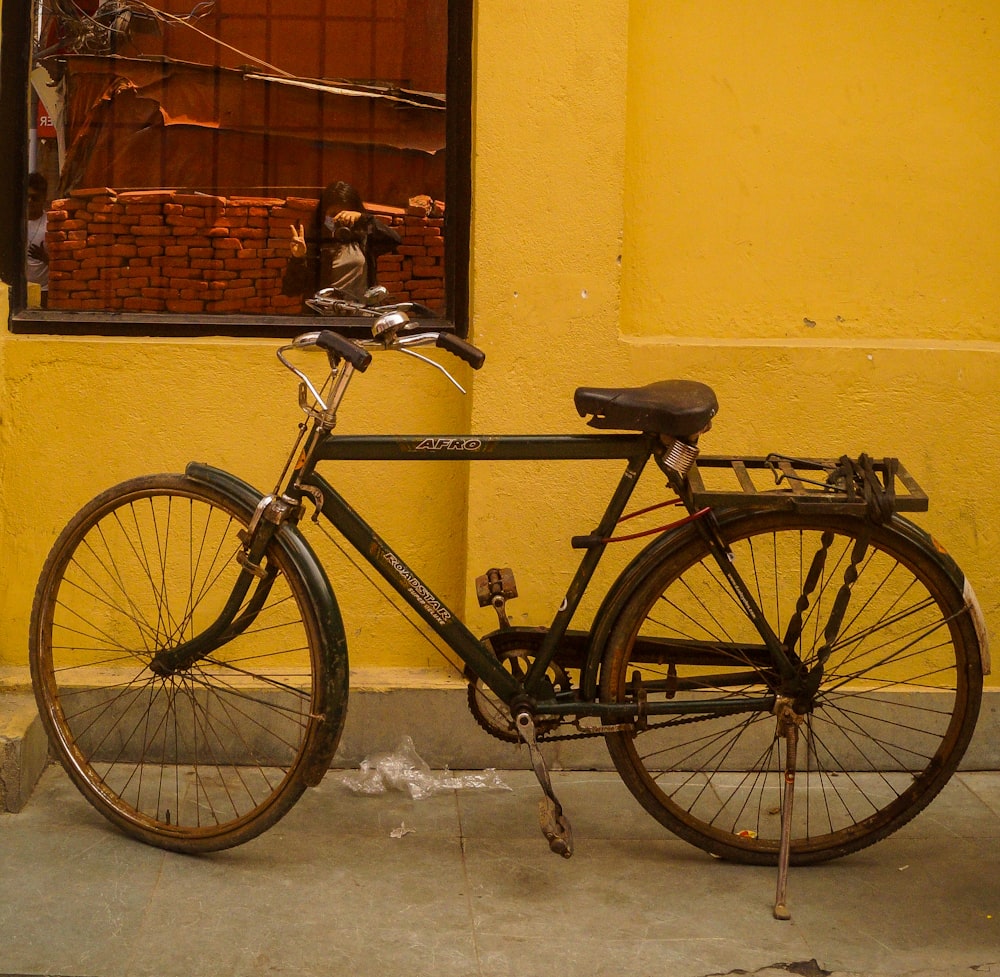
(432, 610)
(746, 483)
(623, 711)
(585, 571)
(502, 447)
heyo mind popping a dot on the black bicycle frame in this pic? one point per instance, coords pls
(634, 449)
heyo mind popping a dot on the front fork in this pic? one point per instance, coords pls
(238, 613)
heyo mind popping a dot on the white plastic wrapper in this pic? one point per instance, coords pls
(404, 769)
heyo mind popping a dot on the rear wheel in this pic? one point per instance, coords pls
(889, 723)
(211, 753)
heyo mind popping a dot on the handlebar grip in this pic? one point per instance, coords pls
(460, 348)
(335, 343)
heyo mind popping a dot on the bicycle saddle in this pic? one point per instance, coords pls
(678, 408)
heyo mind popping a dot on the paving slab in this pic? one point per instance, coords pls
(462, 883)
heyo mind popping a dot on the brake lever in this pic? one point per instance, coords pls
(434, 363)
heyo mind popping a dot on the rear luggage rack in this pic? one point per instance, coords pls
(781, 482)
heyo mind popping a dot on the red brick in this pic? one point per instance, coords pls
(88, 192)
(426, 293)
(145, 196)
(302, 203)
(184, 305)
(199, 200)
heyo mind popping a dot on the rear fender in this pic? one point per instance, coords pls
(614, 601)
(944, 560)
(333, 640)
(644, 561)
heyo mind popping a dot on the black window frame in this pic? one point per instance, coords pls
(15, 66)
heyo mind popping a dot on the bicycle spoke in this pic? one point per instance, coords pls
(879, 737)
(209, 755)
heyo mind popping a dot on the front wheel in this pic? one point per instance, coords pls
(887, 727)
(210, 753)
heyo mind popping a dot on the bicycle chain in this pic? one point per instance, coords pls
(601, 731)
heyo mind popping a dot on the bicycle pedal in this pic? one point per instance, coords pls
(555, 827)
(496, 582)
(494, 588)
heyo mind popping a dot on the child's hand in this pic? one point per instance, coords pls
(298, 245)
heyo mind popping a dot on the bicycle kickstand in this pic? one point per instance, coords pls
(554, 823)
(788, 729)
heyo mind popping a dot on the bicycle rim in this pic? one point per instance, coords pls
(210, 755)
(894, 713)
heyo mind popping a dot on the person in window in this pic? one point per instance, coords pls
(37, 258)
(345, 249)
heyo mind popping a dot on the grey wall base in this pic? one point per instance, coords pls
(437, 720)
(445, 734)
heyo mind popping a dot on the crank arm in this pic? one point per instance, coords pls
(555, 826)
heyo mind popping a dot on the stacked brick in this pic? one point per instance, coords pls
(194, 254)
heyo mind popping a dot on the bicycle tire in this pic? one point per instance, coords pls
(213, 754)
(894, 713)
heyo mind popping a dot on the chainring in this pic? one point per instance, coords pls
(490, 712)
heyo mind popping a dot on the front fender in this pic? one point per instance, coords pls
(333, 640)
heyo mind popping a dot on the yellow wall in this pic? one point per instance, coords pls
(799, 205)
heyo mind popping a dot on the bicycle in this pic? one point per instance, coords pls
(787, 673)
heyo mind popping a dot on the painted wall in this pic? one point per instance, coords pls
(801, 208)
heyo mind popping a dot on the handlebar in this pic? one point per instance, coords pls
(340, 346)
(392, 329)
(457, 346)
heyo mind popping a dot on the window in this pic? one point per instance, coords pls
(183, 145)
